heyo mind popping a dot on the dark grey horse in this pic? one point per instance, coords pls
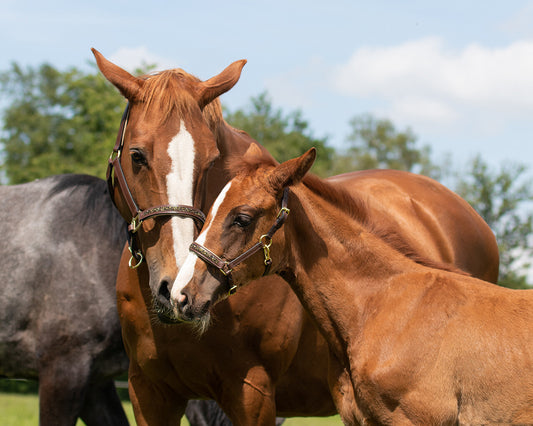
(61, 246)
(61, 242)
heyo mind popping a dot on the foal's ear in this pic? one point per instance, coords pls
(293, 171)
(128, 85)
(219, 84)
(253, 152)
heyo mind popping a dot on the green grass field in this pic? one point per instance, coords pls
(23, 410)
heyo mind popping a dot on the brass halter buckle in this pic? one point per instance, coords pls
(266, 241)
(135, 224)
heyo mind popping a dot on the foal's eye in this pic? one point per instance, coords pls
(242, 220)
(138, 157)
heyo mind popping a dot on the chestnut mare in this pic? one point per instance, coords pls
(260, 355)
(422, 345)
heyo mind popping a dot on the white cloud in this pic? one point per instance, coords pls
(133, 58)
(424, 82)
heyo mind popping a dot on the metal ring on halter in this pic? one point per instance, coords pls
(114, 155)
(139, 261)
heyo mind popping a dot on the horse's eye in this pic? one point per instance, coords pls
(242, 220)
(138, 158)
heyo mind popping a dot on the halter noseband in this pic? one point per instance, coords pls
(265, 241)
(138, 215)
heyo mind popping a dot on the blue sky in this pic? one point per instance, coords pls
(459, 73)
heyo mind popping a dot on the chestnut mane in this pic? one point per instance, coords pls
(357, 209)
(354, 207)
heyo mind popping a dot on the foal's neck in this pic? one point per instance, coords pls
(335, 264)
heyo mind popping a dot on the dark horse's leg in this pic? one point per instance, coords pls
(102, 406)
(65, 393)
(208, 413)
(62, 390)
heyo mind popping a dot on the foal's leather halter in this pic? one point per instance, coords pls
(265, 241)
(138, 215)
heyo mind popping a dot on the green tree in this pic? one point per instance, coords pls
(376, 144)
(284, 135)
(501, 198)
(56, 122)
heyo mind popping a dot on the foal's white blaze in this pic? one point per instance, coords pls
(180, 189)
(186, 272)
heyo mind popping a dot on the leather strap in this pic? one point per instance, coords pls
(180, 210)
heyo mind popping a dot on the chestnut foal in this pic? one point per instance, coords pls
(422, 345)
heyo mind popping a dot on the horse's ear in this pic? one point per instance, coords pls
(293, 171)
(128, 85)
(253, 151)
(219, 84)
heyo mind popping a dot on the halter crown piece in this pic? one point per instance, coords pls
(138, 215)
(265, 241)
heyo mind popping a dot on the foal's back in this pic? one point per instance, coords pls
(432, 220)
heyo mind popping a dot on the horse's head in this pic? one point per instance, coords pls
(168, 148)
(243, 237)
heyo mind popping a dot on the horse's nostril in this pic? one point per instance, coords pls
(164, 290)
(183, 300)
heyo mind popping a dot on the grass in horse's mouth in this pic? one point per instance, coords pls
(166, 316)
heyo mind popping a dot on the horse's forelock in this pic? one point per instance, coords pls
(172, 91)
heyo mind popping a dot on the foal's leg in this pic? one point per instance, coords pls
(341, 389)
(102, 406)
(153, 405)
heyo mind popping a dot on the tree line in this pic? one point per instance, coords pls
(58, 121)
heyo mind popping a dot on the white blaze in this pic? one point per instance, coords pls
(187, 270)
(180, 189)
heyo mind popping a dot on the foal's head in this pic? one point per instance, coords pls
(169, 147)
(242, 216)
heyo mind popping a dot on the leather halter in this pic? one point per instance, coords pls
(138, 215)
(265, 241)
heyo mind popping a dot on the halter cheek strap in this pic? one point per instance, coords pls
(265, 241)
(115, 175)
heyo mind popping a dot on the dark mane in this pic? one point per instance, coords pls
(357, 209)
(170, 91)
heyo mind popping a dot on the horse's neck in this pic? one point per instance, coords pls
(335, 264)
(232, 142)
